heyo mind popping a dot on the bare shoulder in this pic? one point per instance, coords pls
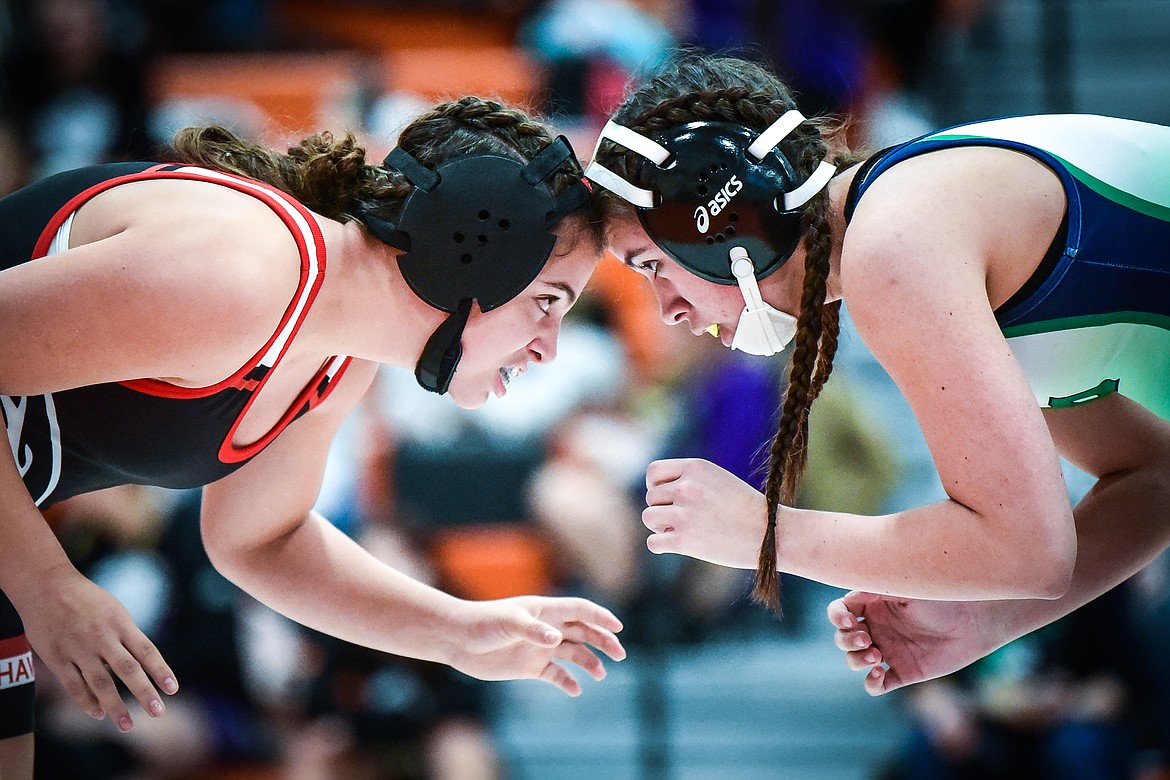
(219, 258)
(177, 280)
(986, 213)
(218, 231)
(919, 256)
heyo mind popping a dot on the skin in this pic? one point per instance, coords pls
(213, 270)
(936, 245)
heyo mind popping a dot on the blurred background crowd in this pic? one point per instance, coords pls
(540, 492)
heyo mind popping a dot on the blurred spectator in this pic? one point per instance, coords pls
(1150, 628)
(14, 165)
(906, 39)
(211, 25)
(585, 496)
(75, 75)
(817, 46)
(591, 47)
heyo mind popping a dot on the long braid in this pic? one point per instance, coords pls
(811, 365)
(695, 86)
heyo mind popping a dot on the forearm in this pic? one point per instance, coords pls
(940, 551)
(321, 578)
(31, 551)
(1122, 525)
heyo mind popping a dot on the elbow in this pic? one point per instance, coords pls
(1054, 581)
(228, 556)
(1047, 563)
(225, 559)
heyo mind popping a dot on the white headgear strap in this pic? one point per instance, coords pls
(659, 154)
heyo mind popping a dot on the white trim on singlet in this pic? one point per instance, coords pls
(60, 240)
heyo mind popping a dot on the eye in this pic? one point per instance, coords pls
(648, 268)
(545, 302)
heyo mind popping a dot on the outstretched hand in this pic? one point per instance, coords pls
(904, 641)
(699, 509)
(528, 636)
(87, 639)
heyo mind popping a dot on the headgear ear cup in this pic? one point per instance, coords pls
(476, 229)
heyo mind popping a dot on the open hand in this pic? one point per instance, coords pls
(699, 509)
(903, 641)
(525, 638)
(87, 639)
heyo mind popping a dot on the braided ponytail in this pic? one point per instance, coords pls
(333, 178)
(694, 87)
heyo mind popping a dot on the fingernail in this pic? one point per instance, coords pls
(155, 707)
(170, 685)
(551, 636)
(98, 715)
(871, 657)
(125, 724)
(847, 622)
(860, 641)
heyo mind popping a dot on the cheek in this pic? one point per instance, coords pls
(716, 300)
(495, 336)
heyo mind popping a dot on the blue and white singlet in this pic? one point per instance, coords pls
(1096, 319)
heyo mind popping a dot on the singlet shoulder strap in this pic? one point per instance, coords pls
(310, 242)
(861, 180)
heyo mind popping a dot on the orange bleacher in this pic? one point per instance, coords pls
(435, 54)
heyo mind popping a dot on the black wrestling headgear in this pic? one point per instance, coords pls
(712, 186)
(476, 229)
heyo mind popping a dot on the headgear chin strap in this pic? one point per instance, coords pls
(477, 229)
(714, 186)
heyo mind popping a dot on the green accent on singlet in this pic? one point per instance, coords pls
(1106, 387)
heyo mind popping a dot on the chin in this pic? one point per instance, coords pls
(464, 397)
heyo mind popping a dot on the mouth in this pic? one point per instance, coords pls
(725, 333)
(508, 373)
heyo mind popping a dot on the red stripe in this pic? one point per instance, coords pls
(229, 453)
(271, 199)
(14, 646)
(42, 245)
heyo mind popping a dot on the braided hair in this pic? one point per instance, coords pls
(701, 87)
(331, 175)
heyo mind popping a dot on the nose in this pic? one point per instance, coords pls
(543, 348)
(672, 308)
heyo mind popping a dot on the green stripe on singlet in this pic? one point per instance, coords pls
(1088, 321)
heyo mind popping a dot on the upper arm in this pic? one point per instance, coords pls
(273, 493)
(915, 274)
(169, 294)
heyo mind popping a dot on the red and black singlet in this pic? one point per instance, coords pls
(146, 431)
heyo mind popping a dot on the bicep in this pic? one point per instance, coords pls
(273, 493)
(924, 312)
